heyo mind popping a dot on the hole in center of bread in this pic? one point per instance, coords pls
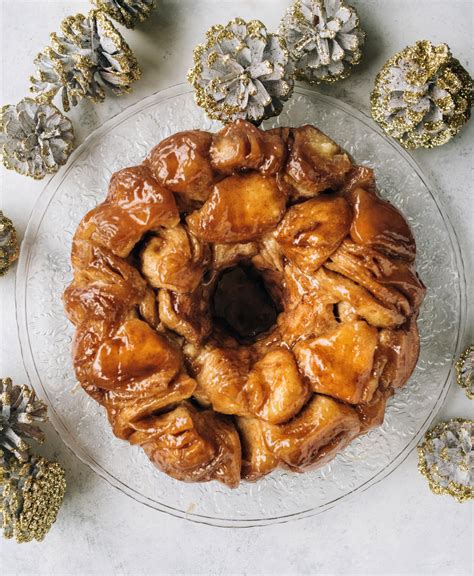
(242, 304)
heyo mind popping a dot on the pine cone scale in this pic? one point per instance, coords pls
(126, 12)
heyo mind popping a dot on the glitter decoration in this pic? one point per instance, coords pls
(35, 139)
(324, 39)
(446, 459)
(126, 12)
(465, 371)
(88, 57)
(242, 71)
(31, 494)
(8, 244)
(422, 96)
(20, 412)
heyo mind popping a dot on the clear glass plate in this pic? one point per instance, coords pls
(45, 334)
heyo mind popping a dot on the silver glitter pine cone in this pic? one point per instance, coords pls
(35, 138)
(31, 494)
(8, 245)
(422, 96)
(446, 459)
(88, 57)
(20, 413)
(324, 38)
(465, 371)
(242, 71)
(126, 12)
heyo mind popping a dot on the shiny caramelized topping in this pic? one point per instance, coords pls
(315, 435)
(241, 146)
(340, 362)
(136, 203)
(174, 259)
(134, 353)
(243, 301)
(239, 208)
(192, 446)
(380, 225)
(181, 163)
(315, 163)
(275, 388)
(311, 231)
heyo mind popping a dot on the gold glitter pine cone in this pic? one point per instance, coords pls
(9, 249)
(87, 58)
(20, 413)
(31, 494)
(422, 96)
(35, 138)
(465, 371)
(445, 458)
(242, 72)
(324, 38)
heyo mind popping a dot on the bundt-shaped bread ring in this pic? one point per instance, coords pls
(243, 301)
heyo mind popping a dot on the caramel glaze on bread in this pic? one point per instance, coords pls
(174, 249)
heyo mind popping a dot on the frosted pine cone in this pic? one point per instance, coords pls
(20, 411)
(446, 459)
(465, 371)
(242, 71)
(324, 39)
(422, 96)
(31, 494)
(126, 12)
(89, 56)
(8, 246)
(35, 138)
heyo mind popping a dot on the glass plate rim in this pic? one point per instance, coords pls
(34, 223)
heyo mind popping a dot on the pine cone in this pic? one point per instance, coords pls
(241, 72)
(35, 138)
(465, 371)
(422, 96)
(126, 12)
(31, 494)
(445, 459)
(89, 56)
(324, 39)
(20, 410)
(8, 244)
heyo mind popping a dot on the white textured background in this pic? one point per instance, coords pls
(396, 527)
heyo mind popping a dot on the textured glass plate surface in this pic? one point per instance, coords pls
(45, 334)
